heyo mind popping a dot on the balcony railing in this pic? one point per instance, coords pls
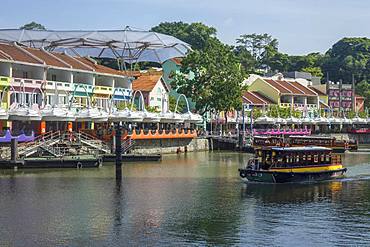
(103, 90)
(66, 86)
(299, 105)
(122, 93)
(35, 83)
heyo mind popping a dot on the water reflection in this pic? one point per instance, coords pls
(194, 199)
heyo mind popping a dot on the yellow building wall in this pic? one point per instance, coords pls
(265, 89)
(324, 98)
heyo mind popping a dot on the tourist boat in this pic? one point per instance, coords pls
(338, 146)
(293, 164)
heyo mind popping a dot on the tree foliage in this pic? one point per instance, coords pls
(363, 89)
(348, 57)
(254, 50)
(33, 26)
(216, 84)
(195, 34)
(172, 105)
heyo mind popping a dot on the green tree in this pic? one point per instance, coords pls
(33, 26)
(217, 82)
(246, 59)
(195, 34)
(348, 57)
(256, 44)
(315, 71)
(172, 104)
(363, 89)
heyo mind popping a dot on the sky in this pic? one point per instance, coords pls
(301, 26)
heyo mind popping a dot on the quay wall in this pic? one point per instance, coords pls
(168, 146)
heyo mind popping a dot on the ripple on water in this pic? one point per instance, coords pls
(194, 200)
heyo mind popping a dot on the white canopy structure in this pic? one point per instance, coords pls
(127, 45)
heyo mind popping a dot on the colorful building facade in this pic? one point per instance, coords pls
(37, 78)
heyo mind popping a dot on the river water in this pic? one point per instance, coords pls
(193, 199)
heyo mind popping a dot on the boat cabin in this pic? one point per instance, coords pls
(293, 157)
(322, 141)
(267, 141)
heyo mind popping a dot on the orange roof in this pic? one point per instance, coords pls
(177, 60)
(72, 61)
(46, 57)
(318, 91)
(278, 86)
(290, 87)
(17, 54)
(256, 98)
(97, 67)
(61, 60)
(145, 83)
(304, 89)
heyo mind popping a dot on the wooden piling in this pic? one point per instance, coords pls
(118, 141)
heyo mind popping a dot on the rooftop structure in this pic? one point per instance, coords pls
(284, 92)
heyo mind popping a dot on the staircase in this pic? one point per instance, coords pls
(127, 145)
(45, 141)
(92, 142)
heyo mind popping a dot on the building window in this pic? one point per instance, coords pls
(53, 77)
(25, 74)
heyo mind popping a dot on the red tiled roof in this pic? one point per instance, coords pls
(177, 60)
(97, 67)
(318, 91)
(305, 89)
(145, 83)
(17, 54)
(72, 61)
(46, 57)
(256, 98)
(61, 60)
(264, 98)
(290, 87)
(277, 86)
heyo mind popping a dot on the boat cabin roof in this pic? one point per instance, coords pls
(300, 149)
(267, 137)
(313, 137)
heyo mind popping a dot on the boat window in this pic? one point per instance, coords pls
(327, 158)
(322, 157)
(316, 158)
(304, 157)
(309, 157)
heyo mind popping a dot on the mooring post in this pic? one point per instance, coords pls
(118, 137)
(13, 150)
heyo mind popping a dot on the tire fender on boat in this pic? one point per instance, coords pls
(79, 165)
(243, 173)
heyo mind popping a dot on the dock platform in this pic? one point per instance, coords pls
(85, 161)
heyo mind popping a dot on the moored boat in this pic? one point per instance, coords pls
(338, 146)
(293, 164)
